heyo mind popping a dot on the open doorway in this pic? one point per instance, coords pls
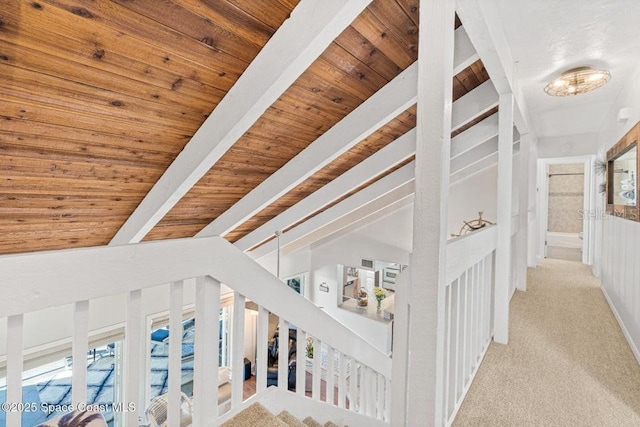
(564, 211)
(565, 201)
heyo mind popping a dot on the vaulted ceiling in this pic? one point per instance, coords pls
(99, 98)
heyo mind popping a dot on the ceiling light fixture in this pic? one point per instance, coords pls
(577, 81)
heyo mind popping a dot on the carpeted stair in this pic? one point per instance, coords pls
(257, 415)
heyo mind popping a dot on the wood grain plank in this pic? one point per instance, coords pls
(57, 32)
(187, 23)
(411, 8)
(28, 130)
(120, 18)
(232, 18)
(362, 49)
(57, 66)
(271, 13)
(400, 25)
(14, 108)
(377, 32)
(52, 91)
(37, 147)
(70, 185)
(14, 166)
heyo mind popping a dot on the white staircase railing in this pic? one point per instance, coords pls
(468, 313)
(357, 374)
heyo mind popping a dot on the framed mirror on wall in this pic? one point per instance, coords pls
(623, 164)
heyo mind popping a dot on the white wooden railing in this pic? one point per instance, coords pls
(468, 313)
(360, 372)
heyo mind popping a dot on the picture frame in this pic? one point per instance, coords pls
(623, 164)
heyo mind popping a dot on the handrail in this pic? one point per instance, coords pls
(468, 249)
(35, 281)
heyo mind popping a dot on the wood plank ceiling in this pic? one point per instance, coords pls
(99, 97)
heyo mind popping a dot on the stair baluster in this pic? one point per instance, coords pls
(283, 354)
(80, 347)
(175, 352)
(315, 393)
(206, 357)
(133, 344)
(301, 372)
(237, 349)
(354, 386)
(342, 381)
(15, 327)
(330, 376)
(262, 349)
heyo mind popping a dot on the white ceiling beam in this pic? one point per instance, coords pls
(386, 104)
(477, 102)
(394, 153)
(480, 165)
(373, 192)
(372, 201)
(483, 25)
(383, 106)
(480, 152)
(386, 158)
(474, 136)
(476, 149)
(299, 41)
(464, 54)
(475, 168)
(367, 214)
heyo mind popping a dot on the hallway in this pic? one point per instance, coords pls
(567, 362)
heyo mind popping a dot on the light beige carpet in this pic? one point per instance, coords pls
(567, 362)
(567, 254)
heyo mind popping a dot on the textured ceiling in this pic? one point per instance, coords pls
(549, 37)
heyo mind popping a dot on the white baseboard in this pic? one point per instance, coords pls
(626, 333)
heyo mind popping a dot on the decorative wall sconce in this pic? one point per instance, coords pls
(324, 287)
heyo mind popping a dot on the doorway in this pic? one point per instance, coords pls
(565, 201)
(564, 220)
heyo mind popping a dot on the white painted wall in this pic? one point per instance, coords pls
(584, 144)
(475, 193)
(621, 275)
(290, 263)
(618, 245)
(478, 192)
